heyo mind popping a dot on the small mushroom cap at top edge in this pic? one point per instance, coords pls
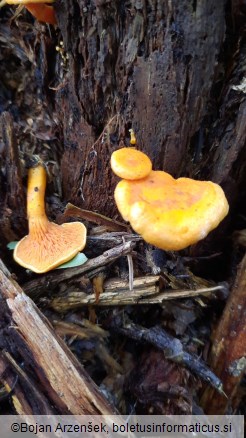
(42, 12)
(50, 245)
(129, 163)
(171, 214)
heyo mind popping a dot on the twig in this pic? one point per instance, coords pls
(73, 211)
(130, 268)
(116, 293)
(31, 338)
(48, 281)
(172, 348)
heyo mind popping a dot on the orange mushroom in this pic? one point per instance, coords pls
(129, 163)
(47, 245)
(39, 9)
(168, 213)
(133, 139)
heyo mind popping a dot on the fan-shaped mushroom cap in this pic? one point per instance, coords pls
(50, 246)
(171, 214)
(129, 163)
(47, 245)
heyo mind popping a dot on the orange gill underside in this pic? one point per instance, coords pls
(48, 248)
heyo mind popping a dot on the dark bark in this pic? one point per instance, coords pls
(12, 195)
(169, 72)
(146, 65)
(173, 71)
(228, 355)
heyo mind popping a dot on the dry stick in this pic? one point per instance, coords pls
(96, 244)
(172, 348)
(73, 211)
(130, 268)
(64, 380)
(117, 293)
(48, 281)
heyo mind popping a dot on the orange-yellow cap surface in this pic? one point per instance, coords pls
(171, 214)
(129, 163)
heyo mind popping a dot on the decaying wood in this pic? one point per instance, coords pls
(30, 336)
(175, 75)
(172, 348)
(71, 329)
(228, 354)
(116, 292)
(20, 386)
(45, 282)
(12, 196)
(228, 137)
(75, 212)
(162, 387)
(96, 244)
(121, 74)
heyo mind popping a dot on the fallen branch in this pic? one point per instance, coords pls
(48, 281)
(59, 377)
(117, 293)
(172, 348)
(71, 211)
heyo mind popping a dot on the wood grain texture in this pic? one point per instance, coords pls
(146, 65)
(31, 336)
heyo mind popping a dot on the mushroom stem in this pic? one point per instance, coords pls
(133, 139)
(35, 199)
(47, 245)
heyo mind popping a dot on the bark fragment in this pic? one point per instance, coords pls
(228, 354)
(30, 337)
(12, 195)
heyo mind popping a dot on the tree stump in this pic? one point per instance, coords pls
(172, 72)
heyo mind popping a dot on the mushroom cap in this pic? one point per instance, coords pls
(42, 12)
(171, 214)
(49, 245)
(129, 163)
